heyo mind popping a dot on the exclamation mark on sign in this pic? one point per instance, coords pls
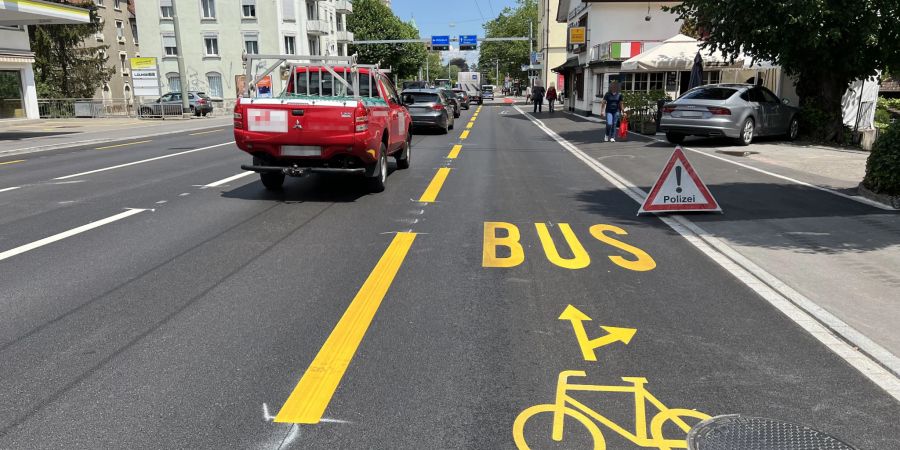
(678, 179)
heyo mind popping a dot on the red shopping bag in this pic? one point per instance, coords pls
(623, 127)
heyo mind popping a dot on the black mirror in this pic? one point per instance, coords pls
(786, 101)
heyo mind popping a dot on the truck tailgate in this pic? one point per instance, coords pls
(302, 123)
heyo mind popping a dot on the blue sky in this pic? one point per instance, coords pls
(450, 17)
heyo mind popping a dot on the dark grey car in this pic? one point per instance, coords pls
(170, 104)
(428, 108)
(451, 98)
(737, 111)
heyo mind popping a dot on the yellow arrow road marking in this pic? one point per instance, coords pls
(454, 152)
(434, 187)
(311, 396)
(11, 162)
(614, 334)
(123, 145)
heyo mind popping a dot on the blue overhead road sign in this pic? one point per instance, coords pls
(468, 42)
(440, 42)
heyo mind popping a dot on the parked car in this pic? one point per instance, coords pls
(463, 98)
(322, 126)
(170, 104)
(737, 111)
(451, 98)
(428, 108)
(487, 92)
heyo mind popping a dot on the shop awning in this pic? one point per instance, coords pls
(569, 64)
(16, 56)
(677, 53)
(37, 12)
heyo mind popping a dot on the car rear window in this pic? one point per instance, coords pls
(713, 93)
(422, 97)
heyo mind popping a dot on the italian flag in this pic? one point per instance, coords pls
(624, 50)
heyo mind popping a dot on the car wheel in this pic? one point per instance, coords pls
(675, 138)
(403, 156)
(456, 113)
(205, 113)
(452, 123)
(377, 183)
(146, 111)
(793, 129)
(273, 181)
(747, 129)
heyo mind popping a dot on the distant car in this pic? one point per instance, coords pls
(487, 93)
(737, 111)
(451, 97)
(428, 108)
(170, 103)
(463, 98)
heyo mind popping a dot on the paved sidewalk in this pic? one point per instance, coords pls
(28, 136)
(842, 254)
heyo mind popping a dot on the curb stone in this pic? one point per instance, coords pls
(890, 200)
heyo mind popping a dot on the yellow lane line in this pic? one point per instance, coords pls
(470, 125)
(454, 152)
(205, 132)
(311, 396)
(11, 162)
(434, 187)
(123, 145)
(464, 134)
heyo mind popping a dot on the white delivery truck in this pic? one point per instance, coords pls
(471, 83)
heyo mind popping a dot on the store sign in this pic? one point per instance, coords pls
(577, 35)
(145, 77)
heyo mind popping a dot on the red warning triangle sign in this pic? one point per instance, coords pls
(679, 188)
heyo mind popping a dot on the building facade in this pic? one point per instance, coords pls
(551, 43)
(215, 34)
(615, 31)
(120, 34)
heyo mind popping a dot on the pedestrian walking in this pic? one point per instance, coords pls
(537, 95)
(527, 94)
(551, 97)
(611, 106)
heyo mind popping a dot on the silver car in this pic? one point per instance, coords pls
(738, 111)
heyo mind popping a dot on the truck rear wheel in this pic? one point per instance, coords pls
(377, 183)
(273, 181)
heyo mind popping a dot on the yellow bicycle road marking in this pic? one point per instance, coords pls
(434, 187)
(123, 145)
(311, 396)
(464, 134)
(11, 162)
(614, 334)
(454, 152)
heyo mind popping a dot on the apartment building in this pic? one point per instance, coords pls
(551, 43)
(120, 34)
(215, 34)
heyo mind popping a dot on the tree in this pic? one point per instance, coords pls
(823, 44)
(460, 63)
(511, 55)
(372, 20)
(433, 66)
(63, 66)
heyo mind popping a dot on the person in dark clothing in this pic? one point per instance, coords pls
(612, 109)
(551, 97)
(537, 95)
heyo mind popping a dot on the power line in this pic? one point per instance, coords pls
(492, 8)
(479, 10)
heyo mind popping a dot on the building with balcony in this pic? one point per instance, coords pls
(120, 34)
(18, 94)
(551, 44)
(215, 34)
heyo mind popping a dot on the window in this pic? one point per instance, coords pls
(710, 94)
(341, 50)
(212, 46)
(120, 30)
(769, 96)
(340, 22)
(98, 2)
(290, 47)
(248, 8)
(214, 79)
(99, 35)
(288, 13)
(134, 33)
(711, 77)
(313, 45)
(165, 9)
(170, 48)
(312, 11)
(117, 4)
(657, 81)
(251, 45)
(579, 86)
(123, 62)
(208, 9)
(174, 82)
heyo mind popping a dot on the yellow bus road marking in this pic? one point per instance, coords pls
(434, 187)
(311, 396)
(11, 162)
(454, 152)
(123, 145)
(205, 132)
(614, 334)
(464, 134)
(470, 125)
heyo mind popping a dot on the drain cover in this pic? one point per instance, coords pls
(736, 152)
(756, 433)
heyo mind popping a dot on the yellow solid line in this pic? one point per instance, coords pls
(464, 134)
(434, 187)
(205, 132)
(454, 152)
(122, 145)
(11, 162)
(313, 393)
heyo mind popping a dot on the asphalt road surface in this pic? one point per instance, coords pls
(153, 298)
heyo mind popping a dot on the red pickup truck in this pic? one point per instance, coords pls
(329, 119)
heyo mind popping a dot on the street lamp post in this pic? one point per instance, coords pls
(182, 73)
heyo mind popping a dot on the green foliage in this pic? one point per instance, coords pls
(512, 22)
(372, 20)
(641, 106)
(825, 44)
(883, 165)
(460, 63)
(63, 66)
(886, 110)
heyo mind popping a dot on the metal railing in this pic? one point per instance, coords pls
(58, 108)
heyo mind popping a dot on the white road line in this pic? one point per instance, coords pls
(143, 161)
(872, 360)
(10, 188)
(227, 180)
(65, 234)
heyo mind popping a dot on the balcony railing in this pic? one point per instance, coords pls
(343, 6)
(317, 27)
(620, 50)
(344, 36)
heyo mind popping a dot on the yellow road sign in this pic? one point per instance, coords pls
(143, 63)
(577, 35)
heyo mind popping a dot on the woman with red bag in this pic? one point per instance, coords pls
(611, 107)
(551, 96)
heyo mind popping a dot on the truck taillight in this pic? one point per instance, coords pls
(361, 117)
(238, 120)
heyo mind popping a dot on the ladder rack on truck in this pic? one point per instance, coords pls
(340, 67)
